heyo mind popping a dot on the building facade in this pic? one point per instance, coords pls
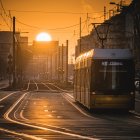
(6, 50)
(6, 42)
(122, 30)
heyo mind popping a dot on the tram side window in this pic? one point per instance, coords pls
(84, 78)
(75, 80)
(87, 78)
(78, 77)
(93, 84)
(81, 78)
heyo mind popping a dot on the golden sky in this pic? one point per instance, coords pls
(60, 18)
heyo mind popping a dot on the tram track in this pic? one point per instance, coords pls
(15, 120)
(29, 124)
(8, 118)
(69, 98)
(12, 116)
(108, 117)
(17, 117)
(10, 133)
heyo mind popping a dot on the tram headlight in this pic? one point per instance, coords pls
(132, 93)
(93, 93)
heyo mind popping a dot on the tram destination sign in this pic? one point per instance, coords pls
(112, 63)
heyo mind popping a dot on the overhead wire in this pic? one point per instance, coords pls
(61, 28)
(65, 12)
(17, 20)
(47, 13)
(3, 8)
(5, 21)
(5, 15)
(53, 29)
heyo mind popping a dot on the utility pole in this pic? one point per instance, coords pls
(51, 65)
(104, 13)
(58, 63)
(14, 55)
(80, 37)
(47, 67)
(62, 68)
(67, 62)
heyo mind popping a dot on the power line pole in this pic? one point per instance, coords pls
(80, 37)
(67, 62)
(58, 68)
(62, 68)
(14, 55)
(51, 66)
(104, 13)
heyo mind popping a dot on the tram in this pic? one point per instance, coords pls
(104, 79)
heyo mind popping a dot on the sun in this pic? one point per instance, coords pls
(43, 36)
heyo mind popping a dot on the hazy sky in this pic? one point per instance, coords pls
(51, 16)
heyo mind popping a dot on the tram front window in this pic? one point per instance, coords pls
(113, 75)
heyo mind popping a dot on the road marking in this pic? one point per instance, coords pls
(6, 116)
(8, 96)
(21, 134)
(21, 115)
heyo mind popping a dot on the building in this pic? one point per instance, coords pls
(49, 62)
(122, 30)
(6, 49)
(6, 41)
(45, 60)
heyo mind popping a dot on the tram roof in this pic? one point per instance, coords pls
(107, 54)
(112, 54)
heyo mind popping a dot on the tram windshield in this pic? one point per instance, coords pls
(112, 75)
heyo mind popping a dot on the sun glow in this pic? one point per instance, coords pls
(43, 36)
